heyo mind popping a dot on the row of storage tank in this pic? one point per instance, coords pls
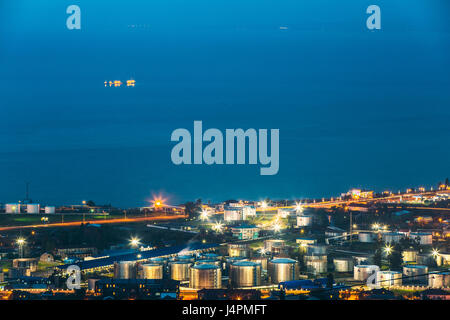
(425, 238)
(412, 274)
(11, 208)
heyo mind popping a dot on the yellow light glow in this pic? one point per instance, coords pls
(134, 242)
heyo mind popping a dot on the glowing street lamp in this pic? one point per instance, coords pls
(435, 253)
(21, 242)
(298, 207)
(204, 215)
(375, 226)
(134, 242)
(218, 227)
(277, 227)
(388, 250)
(264, 205)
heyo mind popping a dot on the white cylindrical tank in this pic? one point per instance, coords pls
(50, 210)
(343, 264)
(179, 270)
(305, 220)
(317, 265)
(245, 274)
(33, 208)
(409, 255)
(317, 249)
(425, 238)
(125, 270)
(238, 250)
(263, 261)
(439, 280)
(214, 262)
(415, 273)
(205, 276)
(12, 208)
(152, 271)
(389, 278)
(274, 245)
(362, 272)
(282, 269)
(392, 237)
(366, 237)
(91, 283)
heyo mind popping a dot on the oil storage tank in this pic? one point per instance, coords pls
(305, 220)
(33, 208)
(424, 238)
(415, 273)
(274, 246)
(238, 250)
(214, 262)
(179, 270)
(388, 279)
(205, 276)
(245, 274)
(317, 265)
(343, 264)
(392, 237)
(152, 271)
(367, 237)
(125, 270)
(409, 255)
(316, 249)
(362, 272)
(439, 280)
(263, 261)
(50, 210)
(282, 269)
(12, 208)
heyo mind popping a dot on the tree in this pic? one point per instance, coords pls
(377, 257)
(396, 258)
(330, 281)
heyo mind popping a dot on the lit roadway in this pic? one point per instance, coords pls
(77, 223)
(329, 204)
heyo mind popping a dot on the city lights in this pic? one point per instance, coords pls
(204, 215)
(277, 227)
(298, 207)
(134, 242)
(388, 249)
(218, 227)
(435, 253)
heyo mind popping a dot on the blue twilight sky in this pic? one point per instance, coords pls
(354, 107)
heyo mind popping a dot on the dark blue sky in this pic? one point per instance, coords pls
(354, 107)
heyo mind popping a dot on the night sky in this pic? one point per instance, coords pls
(355, 108)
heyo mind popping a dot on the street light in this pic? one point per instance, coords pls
(218, 227)
(298, 207)
(135, 242)
(435, 253)
(388, 249)
(20, 242)
(264, 205)
(204, 215)
(277, 227)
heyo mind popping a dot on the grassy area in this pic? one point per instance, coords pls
(42, 266)
(5, 264)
